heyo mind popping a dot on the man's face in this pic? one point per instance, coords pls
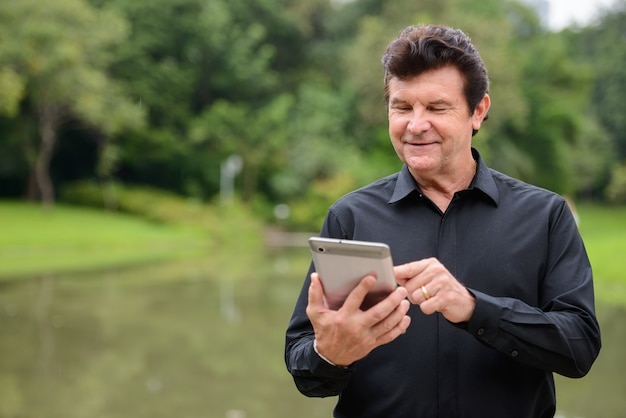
(430, 124)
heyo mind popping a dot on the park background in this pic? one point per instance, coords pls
(162, 162)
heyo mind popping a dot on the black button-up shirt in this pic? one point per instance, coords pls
(516, 247)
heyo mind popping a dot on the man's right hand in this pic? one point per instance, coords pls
(349, 334)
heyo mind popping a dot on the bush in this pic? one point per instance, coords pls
(146, 202)
(308, 213)
(616, 190)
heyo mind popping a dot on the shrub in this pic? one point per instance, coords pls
(616, 190)
(146, 202)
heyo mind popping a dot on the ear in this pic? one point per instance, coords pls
(480, 113)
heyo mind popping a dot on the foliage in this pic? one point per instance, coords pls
(215, 78)
(295, 88)
(602, 45)
(146, 202)
(554, 91)
(308, 212)
(616, 190)
(261, 141)
(593, 155)
(54, 59)
(12, 89)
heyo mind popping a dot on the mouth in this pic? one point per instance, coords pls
(419, 141)
(418, 144)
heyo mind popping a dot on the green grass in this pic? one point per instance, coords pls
(36, 241)
(604, 232)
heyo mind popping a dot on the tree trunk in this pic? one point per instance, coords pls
(107, 162)
(30, 153)
(32, 190)
(48, 124)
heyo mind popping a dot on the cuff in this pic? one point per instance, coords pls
(324, 358)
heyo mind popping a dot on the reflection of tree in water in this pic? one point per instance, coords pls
(42, 314)
(228, 308)
(151, 342)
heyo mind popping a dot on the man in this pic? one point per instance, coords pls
(495, 287)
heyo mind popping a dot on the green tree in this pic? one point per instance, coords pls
(54, 59)
(259, 135)
(602, 47)
(363, 74)
(295, 88)
(187, 59)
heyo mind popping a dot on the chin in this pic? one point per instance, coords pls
(419, 162)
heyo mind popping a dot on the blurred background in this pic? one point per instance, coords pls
(162, 164)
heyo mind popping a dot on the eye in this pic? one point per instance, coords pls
(402, 108)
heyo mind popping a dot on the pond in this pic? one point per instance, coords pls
(179, 340)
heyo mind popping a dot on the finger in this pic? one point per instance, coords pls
(316, 293)
(382, 310)
(355, 299)
(395, 332)
(429, 307)
(405, 272)
(393, 319)
(423, 293)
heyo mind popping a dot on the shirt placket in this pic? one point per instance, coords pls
(446, 334)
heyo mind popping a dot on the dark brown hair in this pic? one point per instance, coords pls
(429, 47)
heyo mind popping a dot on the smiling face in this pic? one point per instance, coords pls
(430, 123)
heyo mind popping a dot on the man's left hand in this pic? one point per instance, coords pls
(431, 286)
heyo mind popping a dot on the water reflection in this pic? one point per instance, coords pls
(184, 340)
(44, 325)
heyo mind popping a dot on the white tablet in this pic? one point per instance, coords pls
(342, 264)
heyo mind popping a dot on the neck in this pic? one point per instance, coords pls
(441, 188)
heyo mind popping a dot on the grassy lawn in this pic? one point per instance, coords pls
(35, 241)
(604, 232)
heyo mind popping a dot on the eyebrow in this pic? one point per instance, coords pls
(438, 102)
(395, 101)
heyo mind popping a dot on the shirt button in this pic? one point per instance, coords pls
(480, 332)
(514, 353)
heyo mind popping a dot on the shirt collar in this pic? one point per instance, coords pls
(405, 185)
(482, 182)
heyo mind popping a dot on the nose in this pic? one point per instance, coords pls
(418, 122)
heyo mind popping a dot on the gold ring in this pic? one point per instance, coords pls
(425, 293)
